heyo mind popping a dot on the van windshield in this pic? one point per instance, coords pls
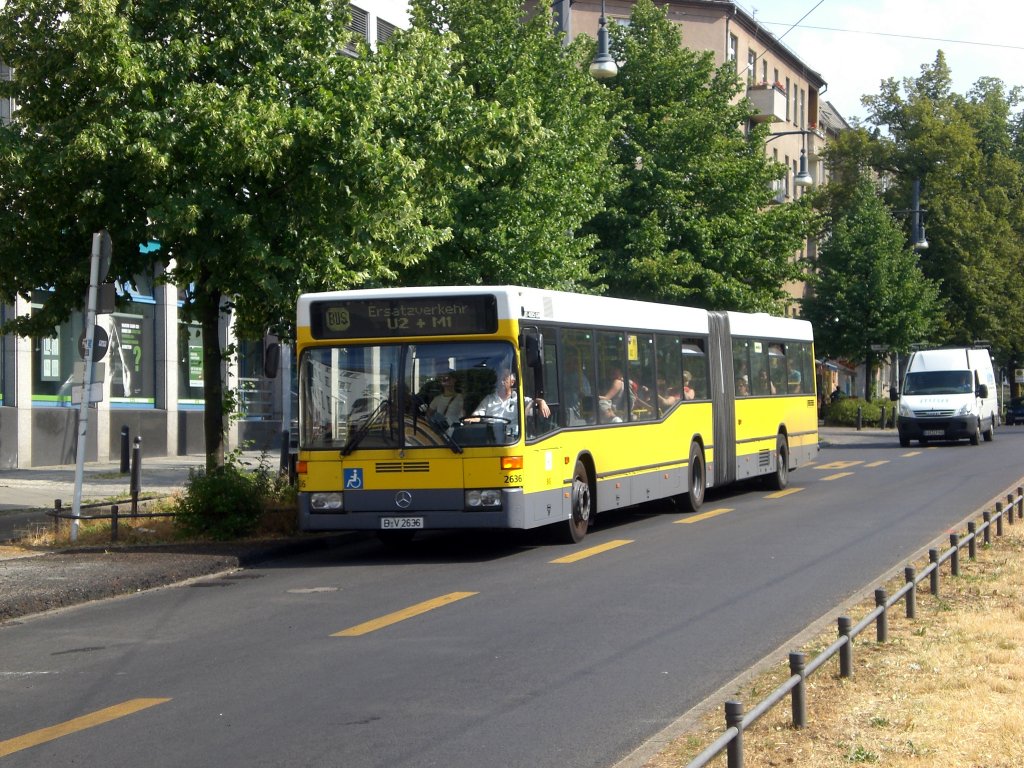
(939, 383)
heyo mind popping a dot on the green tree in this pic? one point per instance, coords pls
(263, 159)
(692, 219)
(543, 120)
(965, 151)
(868, 286)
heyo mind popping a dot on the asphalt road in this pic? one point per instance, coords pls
(483, 650)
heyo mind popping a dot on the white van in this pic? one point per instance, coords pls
(947, 394)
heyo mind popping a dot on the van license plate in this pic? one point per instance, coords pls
(400, 523)
(934, 432)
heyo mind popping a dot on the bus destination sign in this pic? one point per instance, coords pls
(413, 316)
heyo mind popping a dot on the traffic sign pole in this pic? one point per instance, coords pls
(98, 245)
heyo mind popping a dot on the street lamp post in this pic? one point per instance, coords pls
(603, 66)
(920, 242)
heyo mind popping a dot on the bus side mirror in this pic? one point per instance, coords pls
(533, 345)
(271, 356)
(894, 394)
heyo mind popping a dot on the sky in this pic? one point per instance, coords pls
(855, 44)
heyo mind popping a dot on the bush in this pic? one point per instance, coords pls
(843, 412)
(227, 502)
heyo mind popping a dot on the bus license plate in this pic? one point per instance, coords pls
(400, 523)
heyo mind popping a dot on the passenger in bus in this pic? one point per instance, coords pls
(667, 396)
(688, 392)
(742, 387)
(794, 382)
(616, 393)
(502, 402)
(447, 408)
(579, 405)
(764, 384)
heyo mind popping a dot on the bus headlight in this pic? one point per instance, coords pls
(325, 502)
(484, 498)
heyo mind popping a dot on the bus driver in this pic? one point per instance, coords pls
(502, 402)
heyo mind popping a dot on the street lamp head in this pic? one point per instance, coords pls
(803, 178)
(922, 241)
(603, 66)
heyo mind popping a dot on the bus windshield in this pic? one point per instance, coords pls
(938, 383)
(433, 394)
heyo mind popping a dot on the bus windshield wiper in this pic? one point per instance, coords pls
(357, 437)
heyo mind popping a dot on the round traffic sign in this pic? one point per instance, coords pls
(100, 342)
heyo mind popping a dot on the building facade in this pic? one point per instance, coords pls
(150, 375)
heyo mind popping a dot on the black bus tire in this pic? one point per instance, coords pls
(696, 483)
(780, 479)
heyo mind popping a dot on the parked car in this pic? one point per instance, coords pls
(1015, 411)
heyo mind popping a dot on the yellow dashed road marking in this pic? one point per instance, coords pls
(583, 554)
(877, 463)
(402, 615)
(839, 464)
(912, 453)
(99, 717)
(780, 494)
(837, 475)
(704, 515)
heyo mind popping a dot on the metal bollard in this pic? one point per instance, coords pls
(113, 522)
(881, 421)
(954, 559)
(987, 517)
(57, 506)
(972, 541)
(846, 652)
(124, 450)
(882, 623)
(1020, 502)
(136, 479)
(910, 574)
(1010, 503)
(999, 518)
(860, 417)
(734, 719)
(796, 667)
(933, 558)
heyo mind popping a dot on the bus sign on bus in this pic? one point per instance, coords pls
(406, 316)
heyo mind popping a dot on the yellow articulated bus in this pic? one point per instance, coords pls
(509, 407)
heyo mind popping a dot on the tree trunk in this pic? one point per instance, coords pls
(208, 306)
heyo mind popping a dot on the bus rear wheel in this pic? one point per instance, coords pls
(780, 479)
(582, 505)
(697, 479)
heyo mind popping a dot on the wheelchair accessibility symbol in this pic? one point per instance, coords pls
(353, 479)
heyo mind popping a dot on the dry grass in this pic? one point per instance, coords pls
(945, 690)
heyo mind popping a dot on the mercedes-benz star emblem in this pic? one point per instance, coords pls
(403, 499)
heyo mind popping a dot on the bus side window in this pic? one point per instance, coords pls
(578, 391)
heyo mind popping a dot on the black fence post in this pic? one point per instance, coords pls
(860, 417)
(846, 651)
(910, 574)
(1009, 515)
(1009, 503)
(124, 450)
(972, 540)
(881, 421)
(933, 558)
(136, 480)
(796, 667)
(987, 517)
(882, 623)
(954, 559)
(113, 522)
(57, 507)
(734, 719)
(1020, 502)
(999, 518)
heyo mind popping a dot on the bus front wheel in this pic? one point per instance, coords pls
(781, 477)
(697, 479)
(582, 504)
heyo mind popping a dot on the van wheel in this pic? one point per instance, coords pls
(697, 479)
(780, 479)
(582, 504)
(976, 437)
(904, 442)
(990, 433)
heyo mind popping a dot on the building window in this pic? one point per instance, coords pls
(359, 24)
(385, 29)
(751, 66)
(734, 46)
(6, 104)
(787, 99)
(803, 108)
(764, 70)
